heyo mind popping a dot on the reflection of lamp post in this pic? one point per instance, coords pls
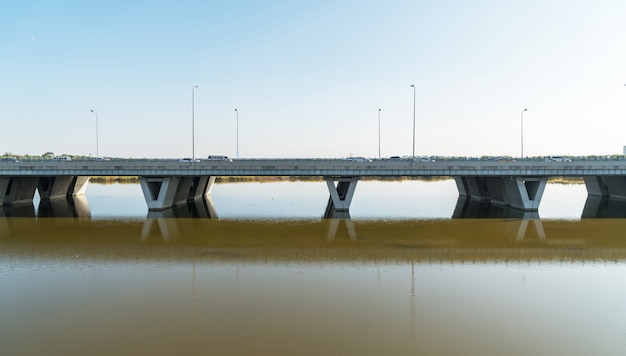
(97, 154)
(237, 112)
(379, 133)
(413, 86)
(193, 129)
(522, 130)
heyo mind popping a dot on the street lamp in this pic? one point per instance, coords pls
(522, 130)
(97, 153)
(237, 112)
(193, 129)
(379, 133)
(413, 86)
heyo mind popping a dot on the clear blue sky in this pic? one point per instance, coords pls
(308, 77)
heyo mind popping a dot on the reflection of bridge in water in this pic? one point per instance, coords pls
(476, 233)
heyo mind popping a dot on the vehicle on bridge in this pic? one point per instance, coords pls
(557, 159)
(219, 158)
(188, 160)
(9, 159)
(423, 159)
(62, 158)
(358, 159)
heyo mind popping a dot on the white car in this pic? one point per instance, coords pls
(557, 159)
(423, 159)
(358, 159)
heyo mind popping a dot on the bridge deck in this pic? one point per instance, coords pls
(313, 167)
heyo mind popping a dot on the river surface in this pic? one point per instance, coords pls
(255, 270)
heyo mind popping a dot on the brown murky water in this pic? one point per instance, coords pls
(308, 287)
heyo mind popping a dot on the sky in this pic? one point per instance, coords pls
(308, 78)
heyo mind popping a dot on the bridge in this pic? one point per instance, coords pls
(167, 183)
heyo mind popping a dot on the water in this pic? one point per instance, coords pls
(269, 276)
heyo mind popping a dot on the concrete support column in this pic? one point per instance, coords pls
(159, 192)
(497, 191)
(340, 195)
(525, 193)
(615, 186)
(522, 193)
(78, 186)
(17, 190)
(461, 186)
(595, 186)
(201, 187)
(473, 187)
(183, 190)
(54, 187)
(164, 192)
(60, 187)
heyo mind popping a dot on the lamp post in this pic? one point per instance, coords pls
(522, 131)
(97, 153)
(413, 86)
(193, 129)
(379, 133)
(237, 113)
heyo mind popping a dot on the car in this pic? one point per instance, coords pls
(102, 159)
(219, 158)
(358, 159)
(9, 159)
(62, 158)
(423, 159)
(557, 159)
(188, 160)
(394, 158)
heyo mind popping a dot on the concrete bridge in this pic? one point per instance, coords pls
(166, 183)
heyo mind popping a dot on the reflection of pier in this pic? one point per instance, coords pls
(333, 226)
(467, 208)
(166, 220)
(68, 207)
(71, 207)
(517, 221)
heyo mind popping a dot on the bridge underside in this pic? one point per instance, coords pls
(161, 193)
(523, 193)
(165, 192)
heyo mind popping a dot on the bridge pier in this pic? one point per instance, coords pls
(164, 192)
(60, 187)
(523, 193)
(340, 195)
(613, 187)
(17, 190)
